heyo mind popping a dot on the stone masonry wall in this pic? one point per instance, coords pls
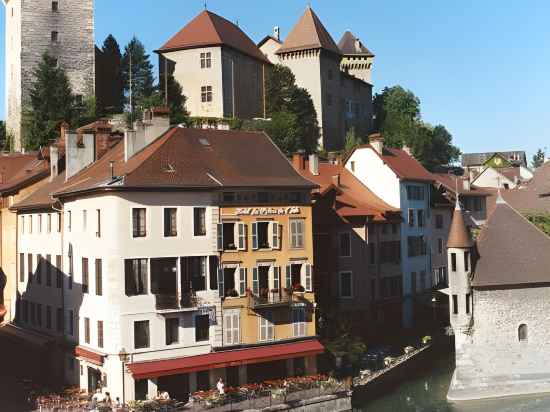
(74, 49)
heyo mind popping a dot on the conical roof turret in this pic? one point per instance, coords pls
(459, 236)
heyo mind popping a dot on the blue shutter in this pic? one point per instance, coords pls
(221, 289)
(255, 282)
(255, 236)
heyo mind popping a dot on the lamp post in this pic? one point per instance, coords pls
(123, 356)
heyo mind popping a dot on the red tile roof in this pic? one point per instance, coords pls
(209, 29)
(353, 198)
(187, 158)
(309, 33)
(218, 360)
(459, 237)
(449, 182)
(21, 170)
(350, 45)
(42, 197)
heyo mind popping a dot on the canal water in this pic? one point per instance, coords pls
(427, 391)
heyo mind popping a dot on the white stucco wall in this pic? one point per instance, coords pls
(490, 177)
(269, 48)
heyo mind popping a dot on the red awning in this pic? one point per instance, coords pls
(216, 360)
(92, 357)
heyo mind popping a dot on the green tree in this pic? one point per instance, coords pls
(282, 128)
(109, 81)
(175, 98)
(141, 71)
(538, 159)
(3, 134)
(398, 118)
(352, 140)
(51, 102)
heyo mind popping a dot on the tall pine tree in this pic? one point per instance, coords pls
(142, 78)
(51, 101)
(109, 81)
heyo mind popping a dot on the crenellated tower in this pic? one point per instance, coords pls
(459, 251)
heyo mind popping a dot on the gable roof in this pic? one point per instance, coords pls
(353, 198)
(350, 45)
(478, 159)
(21, 170)
(209, 29)
(404, 165)
(309, 33)
(186, 158)
(448, 181)
(267, 38)
(42, 197)
(512, 251)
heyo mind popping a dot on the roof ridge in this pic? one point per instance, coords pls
(504, 203)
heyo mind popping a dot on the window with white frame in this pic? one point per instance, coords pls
(345, 285)
(299, 321)
(232, 236)
(139, 222)
(231, 327)
(266, 235)
(170, 222)
(345, 244)
(206, 94)
(206, 60)
(297, 233)
(267, 328)
(199, 221)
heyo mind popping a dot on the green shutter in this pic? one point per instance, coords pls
(255, 236)
(255, 282)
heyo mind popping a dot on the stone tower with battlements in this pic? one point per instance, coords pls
(64, 29)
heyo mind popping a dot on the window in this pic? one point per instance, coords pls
(267, 328)
(455, 304)
(329, 99)
(22, 224)
(69, 220)
(85, 275)
(299, 321)
(411, 217)
(21, 267)
(136, 275)
(297, 233)
(478, 204)
(59, 272)
(213, 268)
(196, 269)
(439, 221)
(231, 327)
(453, 262)
(59, 222)
(29, 267)
(141, 334)
(466, 261)
(467, 303)
(440, 246)
(139, 222)
(48, 264)
(345, 289)
(170, 222)
(199, 221)
(49, 223)
(98, 277)
(394, 228)
(352, 165)
(55, 6)
(345, 244)
(84, 220)
(522, 332)
(206, 60)
(55, 37)
(98, 223)
(416, 246)
(30, 224)
(420, 218)
(40, 223)
(202, 328)
(206, 94)
(99, 333)
(87, 330)
(422, 280)
(172, 326)
(71, 322)
(390, 252)
(415, 193)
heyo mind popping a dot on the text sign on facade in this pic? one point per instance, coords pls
(265, 211)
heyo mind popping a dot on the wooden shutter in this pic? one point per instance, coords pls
(288, 277)
(276, 241)
(276, 277)
(242, 281)
(255, 235)
(236, 327)
(220, 236)
(242, 233)
(308, 282)
(255, 282)
(221, 289)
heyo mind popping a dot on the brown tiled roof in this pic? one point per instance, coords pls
(209, 29)
(309, 33)
(511, 250)
(23, 170)
(510, 173)
(13, 163)
(267, 38)
(186, 158)
(353, 198)
(459, 237)
(350, 45)
(42, 197)
(449, 182)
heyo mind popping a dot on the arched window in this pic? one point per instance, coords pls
(522, 332)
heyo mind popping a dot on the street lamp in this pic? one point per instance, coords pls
(123, 356)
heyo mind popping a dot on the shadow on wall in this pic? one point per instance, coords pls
(48, 309)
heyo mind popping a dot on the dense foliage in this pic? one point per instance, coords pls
(3, 134)
(398, 118)
(109, 81)
(538, 159)
(540, 220)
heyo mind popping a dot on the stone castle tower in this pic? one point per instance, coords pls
(64, 29)
(459, 251)
(357, 60)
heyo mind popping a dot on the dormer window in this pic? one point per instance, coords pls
(55, 6)
(55, 36)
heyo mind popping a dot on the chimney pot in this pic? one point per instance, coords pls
(277, 33)
(377, 142)
(407, 150)
(298, 161)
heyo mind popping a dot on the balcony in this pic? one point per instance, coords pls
(271, 299)
(173, 303)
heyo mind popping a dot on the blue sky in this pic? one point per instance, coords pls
(481, 68)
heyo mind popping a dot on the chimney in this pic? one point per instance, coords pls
(466, 184)
(102, 138)
(407, 150)
(277, 33)
(79, 153)
(314, 164)
(298, 161)
(336, 180)
(54, 162)
(156, 122)
(377, 142)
